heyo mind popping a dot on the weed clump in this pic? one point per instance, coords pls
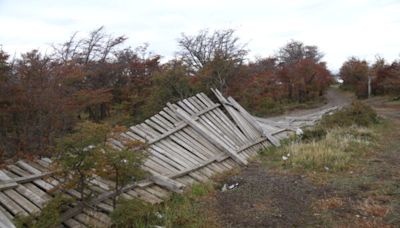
(357, 113)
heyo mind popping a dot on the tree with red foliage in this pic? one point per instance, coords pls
(305, 79)
(34, 109)
(354, 73)
(387, 79)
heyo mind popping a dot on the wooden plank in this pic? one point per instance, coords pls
(5, 221)
(21, 180)
(74, 224)
(239, 120)
(239, 123)
(103, 218)
(250, 144)
(31, 196)
(148, 196)
(253, 122)
(105, 207)
(40, 183)
(43, 195)
(166, 134)
(205, 122)
(11, 206)
(193, 143)
(9, 185)
(191, 102)
(168, 183)
(209, 136)
(22, 201)
(19, 193)
(158, 191)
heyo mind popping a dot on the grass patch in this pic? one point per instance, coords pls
(189, 209)
(181, 210)
(331, 145)
(332, 152)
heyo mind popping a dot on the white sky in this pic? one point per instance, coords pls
(342, 28)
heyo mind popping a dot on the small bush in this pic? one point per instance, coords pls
(358, 114)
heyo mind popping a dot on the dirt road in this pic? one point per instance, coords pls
(334, 97)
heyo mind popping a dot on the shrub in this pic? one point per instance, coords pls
(358, 114)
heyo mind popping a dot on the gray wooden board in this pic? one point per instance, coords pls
(22, 196)
(210, 136)
(5, 220)
(40, 183)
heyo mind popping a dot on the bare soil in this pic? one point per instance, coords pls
(265, 199)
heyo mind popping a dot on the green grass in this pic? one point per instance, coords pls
(189, 209)
(181, 210)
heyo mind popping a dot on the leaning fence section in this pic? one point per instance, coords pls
(188, 142)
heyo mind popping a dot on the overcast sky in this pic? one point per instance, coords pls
(340, 28)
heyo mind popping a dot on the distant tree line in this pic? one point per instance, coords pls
(384, 77)
(99, 79)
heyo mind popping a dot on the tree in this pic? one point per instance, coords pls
(302, 72)
(120, 165)
(354, 73)
(388, 79)
(76, 159)
(89, 63)
(214, 56)
(295, 51)
(35, 105)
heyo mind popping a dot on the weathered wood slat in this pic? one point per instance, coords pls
(253, 122)
(207, 134)
(39, 182)
(74, 224)
(5, 221)
(11, 183)
(244, 127)
(12, 206)
(21, 195)
(168, 183)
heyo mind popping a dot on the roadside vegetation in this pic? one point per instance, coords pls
(332, 144)
(96, 78)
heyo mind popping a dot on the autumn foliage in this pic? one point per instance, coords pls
(295, 75)
(385, 77)
(97, 78)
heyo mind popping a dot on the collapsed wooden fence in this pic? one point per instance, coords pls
(188, 142)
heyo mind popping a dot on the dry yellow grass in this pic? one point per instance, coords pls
(332, 153)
